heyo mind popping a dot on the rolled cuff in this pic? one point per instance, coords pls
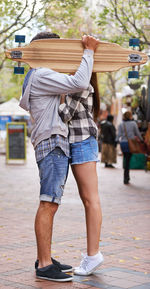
(50, 199)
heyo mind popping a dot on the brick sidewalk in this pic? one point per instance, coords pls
(125, 238)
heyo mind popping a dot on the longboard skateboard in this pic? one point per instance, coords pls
(64, 55)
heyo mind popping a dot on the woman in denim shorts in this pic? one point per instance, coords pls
(78, 110)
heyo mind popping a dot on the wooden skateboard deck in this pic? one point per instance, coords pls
(64, 55)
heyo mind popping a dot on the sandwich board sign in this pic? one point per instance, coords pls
(16, 142)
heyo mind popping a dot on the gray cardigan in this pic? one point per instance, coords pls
(42, 97)
(132, 131)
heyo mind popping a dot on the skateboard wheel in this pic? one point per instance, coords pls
(18, 70)
(20, 38)
(133, 74)
(134, 42)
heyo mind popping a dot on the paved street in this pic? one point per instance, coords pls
(125, 237)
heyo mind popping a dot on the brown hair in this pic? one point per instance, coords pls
(96, 98)
(127, 115)
(45, 35)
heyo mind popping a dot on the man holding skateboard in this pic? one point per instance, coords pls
(41, 97)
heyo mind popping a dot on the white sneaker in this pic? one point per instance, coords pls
(89, 264)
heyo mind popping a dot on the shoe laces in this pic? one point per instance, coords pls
(84, 261)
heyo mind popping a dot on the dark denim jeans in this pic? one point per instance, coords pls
(127, 157)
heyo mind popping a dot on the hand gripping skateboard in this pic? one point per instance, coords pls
(64, 55)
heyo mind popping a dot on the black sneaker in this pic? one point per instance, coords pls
(110, 166)
(52, 273)
(64, 268)
(126, 181)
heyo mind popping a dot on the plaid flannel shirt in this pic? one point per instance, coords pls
(47, 145)
(77, 111)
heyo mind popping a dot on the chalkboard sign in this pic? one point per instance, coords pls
(16, 141)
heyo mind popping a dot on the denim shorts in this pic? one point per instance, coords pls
(84, 151)
(53, 172)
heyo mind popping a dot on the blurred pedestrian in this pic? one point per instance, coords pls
(78, 111)
(127, 129)
(108, 136)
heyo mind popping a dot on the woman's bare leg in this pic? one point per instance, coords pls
(87, 181)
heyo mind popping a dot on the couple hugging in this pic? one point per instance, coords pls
(63, 109)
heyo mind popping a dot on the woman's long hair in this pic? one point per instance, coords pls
(96, 98)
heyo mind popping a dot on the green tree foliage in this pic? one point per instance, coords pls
(66, 17)
(15, 15)
(113, 20)
(39, 14)
(120, 20)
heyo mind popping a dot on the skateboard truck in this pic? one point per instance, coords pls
(134, 42)
(135, 57)
(18, 54)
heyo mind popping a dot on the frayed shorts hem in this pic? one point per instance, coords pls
(50, 199)
(83, 162)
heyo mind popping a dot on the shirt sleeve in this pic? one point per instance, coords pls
(53, 82)
(119, 134)
(113, 132)
(137, 132)
(67, 109)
